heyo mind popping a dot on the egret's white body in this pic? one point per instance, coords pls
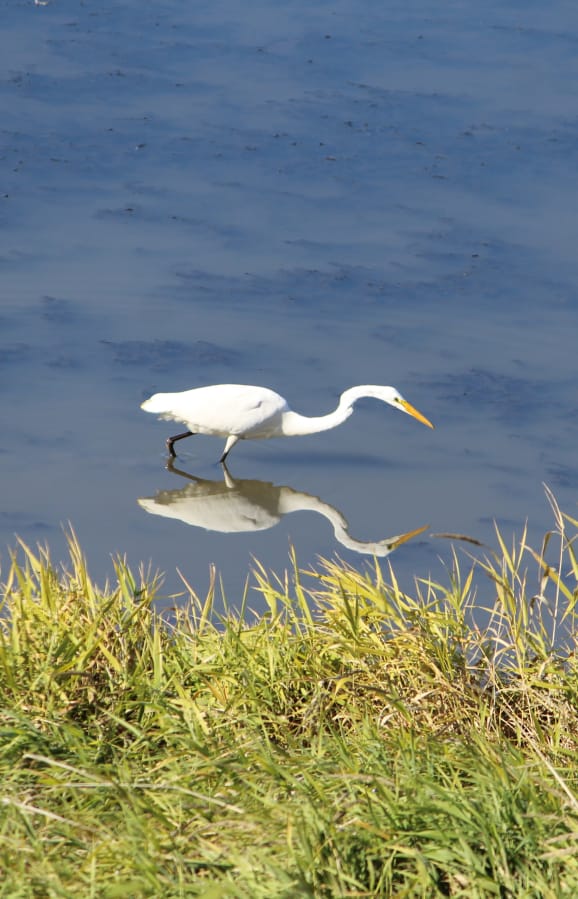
(242, 412)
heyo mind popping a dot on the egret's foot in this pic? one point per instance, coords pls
(172, 440)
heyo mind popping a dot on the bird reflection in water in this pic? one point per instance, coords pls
(234, 506)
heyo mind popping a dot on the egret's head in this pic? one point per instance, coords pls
(400, 403)
(379, 392)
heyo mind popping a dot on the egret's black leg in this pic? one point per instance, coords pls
(171, 440)
(231, 441)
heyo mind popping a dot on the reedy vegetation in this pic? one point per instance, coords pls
(352, 741)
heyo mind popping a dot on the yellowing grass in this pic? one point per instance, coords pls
(353, 741)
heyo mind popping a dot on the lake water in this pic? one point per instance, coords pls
(305, 198)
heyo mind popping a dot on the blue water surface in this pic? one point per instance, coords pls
(303, 197)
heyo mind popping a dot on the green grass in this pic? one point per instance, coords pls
(352, 741)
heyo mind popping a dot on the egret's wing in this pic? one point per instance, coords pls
(244, 412)
(225, 409)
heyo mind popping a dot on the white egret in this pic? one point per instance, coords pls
(241, 412)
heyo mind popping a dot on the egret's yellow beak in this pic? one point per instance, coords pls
(411, 411)
(403, 538)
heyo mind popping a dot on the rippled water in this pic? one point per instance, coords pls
(305, 199)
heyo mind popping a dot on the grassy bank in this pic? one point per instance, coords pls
(354, 741)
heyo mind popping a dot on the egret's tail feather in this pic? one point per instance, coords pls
(162, 404)
(159, 403)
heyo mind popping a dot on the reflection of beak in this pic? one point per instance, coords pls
(411, 411)
(404, 537)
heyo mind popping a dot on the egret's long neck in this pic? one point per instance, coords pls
(295, 425)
